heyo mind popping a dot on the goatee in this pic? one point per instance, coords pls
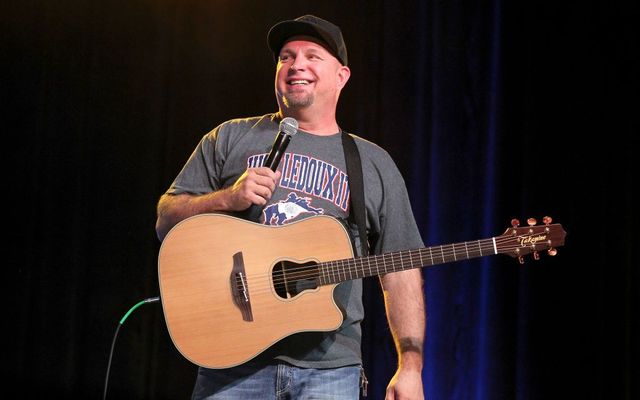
(292, 100)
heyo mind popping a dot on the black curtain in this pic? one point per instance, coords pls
(493, 111)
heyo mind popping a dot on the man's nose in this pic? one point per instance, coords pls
(297, 64)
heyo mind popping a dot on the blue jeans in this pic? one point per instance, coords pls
(278, 382)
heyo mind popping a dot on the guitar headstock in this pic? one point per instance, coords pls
(519, 241)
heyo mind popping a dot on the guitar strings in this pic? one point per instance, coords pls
(404, 255)
(387, 259)
(329, 270)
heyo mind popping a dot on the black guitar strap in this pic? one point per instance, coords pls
(354, 170)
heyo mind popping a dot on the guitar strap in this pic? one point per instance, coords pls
(354, 170)
(358, 210)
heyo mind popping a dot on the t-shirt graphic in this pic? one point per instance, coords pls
(286, 210)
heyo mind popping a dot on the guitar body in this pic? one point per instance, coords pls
(196, 277)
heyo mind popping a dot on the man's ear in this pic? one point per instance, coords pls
(343, 76)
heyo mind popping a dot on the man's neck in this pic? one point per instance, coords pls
(321, 125)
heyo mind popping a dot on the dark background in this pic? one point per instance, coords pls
(492, 110)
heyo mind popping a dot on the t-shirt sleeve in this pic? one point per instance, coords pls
(392, 225)
(398, 228)
(201, 173)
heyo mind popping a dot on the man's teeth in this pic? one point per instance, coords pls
(300, 82)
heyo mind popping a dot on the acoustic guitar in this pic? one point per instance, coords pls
(230, 288)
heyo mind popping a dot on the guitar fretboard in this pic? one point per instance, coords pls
(362, 267)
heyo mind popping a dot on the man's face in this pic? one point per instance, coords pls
(308, 75)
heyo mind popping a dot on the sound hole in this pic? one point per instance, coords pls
(291, 279)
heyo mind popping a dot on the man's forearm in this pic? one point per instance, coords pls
(175, 208)
(404, 302)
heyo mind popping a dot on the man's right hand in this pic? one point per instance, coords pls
(255, 186)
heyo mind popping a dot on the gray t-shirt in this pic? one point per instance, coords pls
(314, 181)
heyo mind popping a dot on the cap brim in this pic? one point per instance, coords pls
(284, 30)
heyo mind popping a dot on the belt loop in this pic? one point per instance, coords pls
(364, 383)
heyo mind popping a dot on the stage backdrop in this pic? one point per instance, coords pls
(492, 110)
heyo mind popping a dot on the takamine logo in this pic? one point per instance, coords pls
(531, 240)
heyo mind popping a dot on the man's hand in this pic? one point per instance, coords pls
(405, 385)
(255, 186)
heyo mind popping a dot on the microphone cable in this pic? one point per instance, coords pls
(113, 343)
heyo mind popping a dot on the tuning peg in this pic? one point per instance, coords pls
(552, 251)
(547, 220)
(515, 223)
(531, 221)
(536, 255)
(521, 259)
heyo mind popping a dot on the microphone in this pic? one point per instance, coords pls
(288, 128)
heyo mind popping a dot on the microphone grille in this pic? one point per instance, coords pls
(289, 126)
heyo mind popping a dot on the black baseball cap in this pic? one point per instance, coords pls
(309, 25)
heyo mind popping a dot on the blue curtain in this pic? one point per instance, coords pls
(505, 117)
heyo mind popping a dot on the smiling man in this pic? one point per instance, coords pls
(308, 83)
(225, 174)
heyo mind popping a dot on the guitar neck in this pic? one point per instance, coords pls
(343, 270)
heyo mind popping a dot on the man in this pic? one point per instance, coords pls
(224, 174)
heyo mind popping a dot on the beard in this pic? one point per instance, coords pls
(297, 100)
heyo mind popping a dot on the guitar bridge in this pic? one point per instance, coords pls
(240, 288)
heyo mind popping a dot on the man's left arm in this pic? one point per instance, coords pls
(405, 306)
